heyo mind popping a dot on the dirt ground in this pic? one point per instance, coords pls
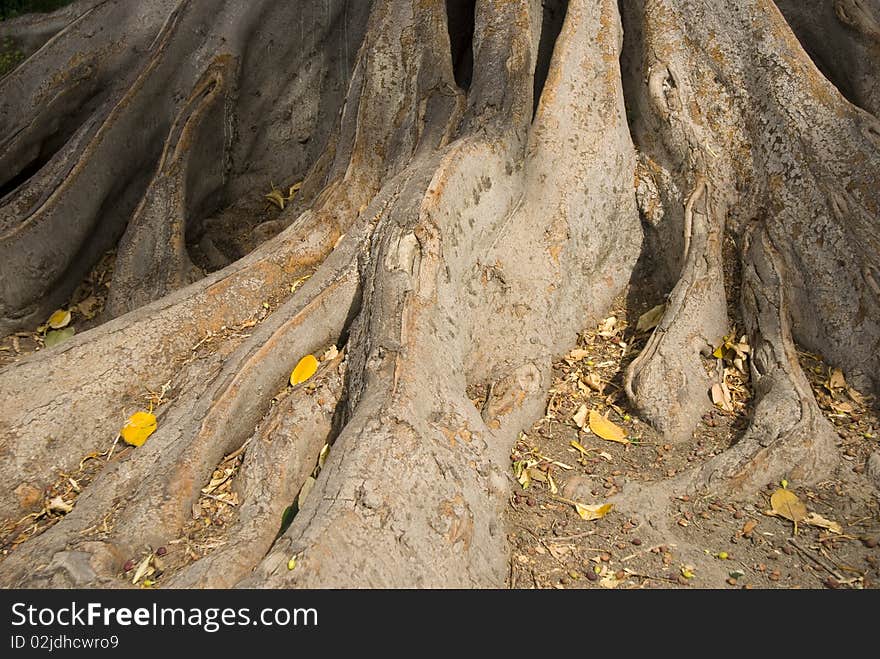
(701, 540)
(690, 541)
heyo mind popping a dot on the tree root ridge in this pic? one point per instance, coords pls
(457, 202)
(667, 381)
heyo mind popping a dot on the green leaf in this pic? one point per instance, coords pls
(55, 337)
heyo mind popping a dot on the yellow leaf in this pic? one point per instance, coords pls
(580, 448)
(59, 319)
(276, 198)
(304, 370)
(139, 426)
(294, 189)
(687, 572)
(142, 568)
(605, 429)
(323, 456)
(785, 503)
(718, 353)
(537, 475)
(593, 512)
(651, 318)
(291, 563)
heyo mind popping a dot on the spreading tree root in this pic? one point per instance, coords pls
(667, 380)
(457, 232)
(787, 437)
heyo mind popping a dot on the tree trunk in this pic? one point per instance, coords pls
(479, 180)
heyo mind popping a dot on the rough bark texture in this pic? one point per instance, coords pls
(479, 181)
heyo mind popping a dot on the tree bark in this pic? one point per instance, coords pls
(479, 180)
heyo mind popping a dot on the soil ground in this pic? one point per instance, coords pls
(716, 543)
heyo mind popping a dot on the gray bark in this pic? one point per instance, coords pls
(474, 193)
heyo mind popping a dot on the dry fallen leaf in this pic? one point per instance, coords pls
(749, 526)
(142, 569)
(578, 353)
(537, 475)
(59, 505)
(651, 318)
(721, 396)
(331, 353)
(815, 519)
(276, 198)
(608, 327)
(597, 511)
(322, 458)
(580, 417)
(593, 381)
(835, 380)
(605, 429)
(139, 426)
(88, 308)
(59, 319)
(304, 370)
(786, 504)
(579, 447)
(522, 474)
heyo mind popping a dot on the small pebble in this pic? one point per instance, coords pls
(870, 543)
(636, 541)
(530, 501)
(831, 582)
(592, 576)
(787, 550)
(731, 581)
(605, 557)
(161, 551)
(129, 565)
(738, 514)
(620, 575)
(621, 545)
